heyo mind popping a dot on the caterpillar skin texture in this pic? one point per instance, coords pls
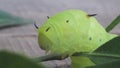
(72, 31)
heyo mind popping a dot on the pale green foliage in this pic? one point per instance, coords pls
(8, 20)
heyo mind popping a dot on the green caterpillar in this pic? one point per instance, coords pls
(72, 31)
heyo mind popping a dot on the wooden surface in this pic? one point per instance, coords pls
(23, 39)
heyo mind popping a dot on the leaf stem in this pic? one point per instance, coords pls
(104, 55)
(113, 24)
(59, 57)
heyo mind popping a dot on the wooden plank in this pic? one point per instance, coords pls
(23, 39)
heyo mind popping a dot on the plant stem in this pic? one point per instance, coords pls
(113, 24)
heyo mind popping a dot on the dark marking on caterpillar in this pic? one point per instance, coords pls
(35, 25)
(48, 17)
(90, 38)
(90, 15)
(47, 29)
(67, 21)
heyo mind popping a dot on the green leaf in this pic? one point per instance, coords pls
(12, 60)
(108, 52)
(7, 19)
(115, 64)
(113, 24)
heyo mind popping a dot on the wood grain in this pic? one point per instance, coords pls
(23, 39)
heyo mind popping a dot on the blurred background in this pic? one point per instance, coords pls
(23, 39)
